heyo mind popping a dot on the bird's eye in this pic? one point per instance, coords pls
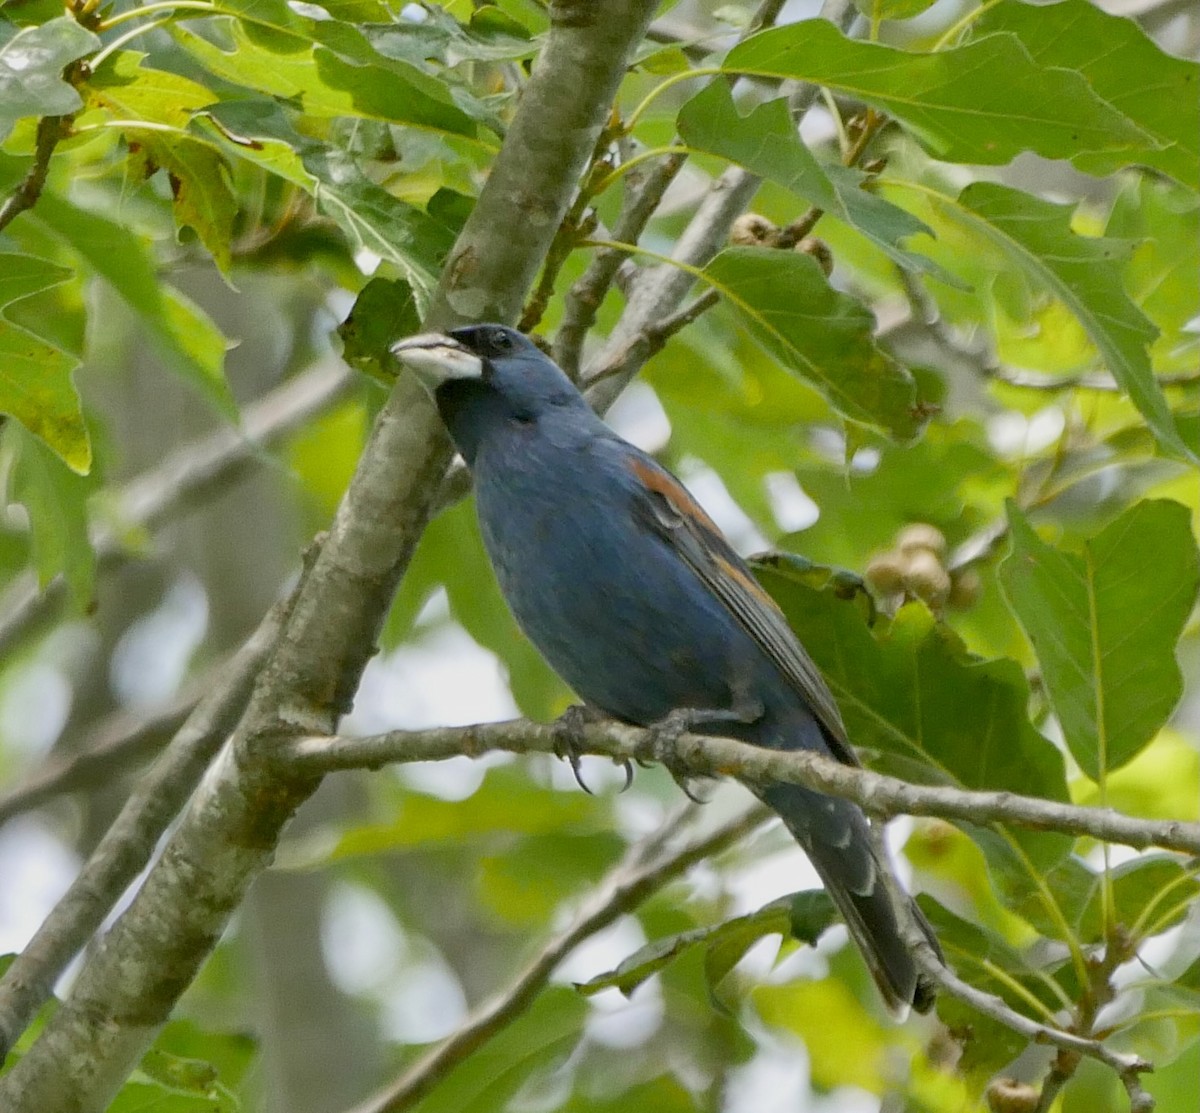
(501, 341)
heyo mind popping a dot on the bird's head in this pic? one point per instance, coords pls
(483, 376)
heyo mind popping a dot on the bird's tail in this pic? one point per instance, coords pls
(835, 835)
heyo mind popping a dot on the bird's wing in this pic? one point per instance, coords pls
(665, 508)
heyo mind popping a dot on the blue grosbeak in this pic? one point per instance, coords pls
(635, 599)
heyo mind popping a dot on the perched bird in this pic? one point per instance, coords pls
(637, 601)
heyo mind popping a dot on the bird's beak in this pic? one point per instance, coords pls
(435, 358)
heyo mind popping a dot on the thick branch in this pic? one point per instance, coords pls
(130, 985)
(128, 844)
(645, 869)
(703, 756)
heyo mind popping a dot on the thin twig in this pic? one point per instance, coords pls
(624, 364)
(641, 872)
(704, 756)
(642, 198)
(643, 195)
(51, 130)
(575, 226)
(1029, 380)
(1127, 1067)
(111, 746)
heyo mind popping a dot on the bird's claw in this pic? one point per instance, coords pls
(568, 743)
(568, 740)
(664, 737)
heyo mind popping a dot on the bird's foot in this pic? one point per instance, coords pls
(568, 731)
(665, 735)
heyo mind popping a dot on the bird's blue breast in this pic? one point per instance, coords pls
(610, 606)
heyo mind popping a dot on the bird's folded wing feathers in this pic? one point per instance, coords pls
(668, 510)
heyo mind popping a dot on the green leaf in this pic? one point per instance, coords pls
(1104, 626)
(766, 143)
(939, 97)
(383, 312)
(371, 218)
(919, 706)
(540, 1039)
(35, 376)
(202, 197)
(982, 958)
(130, 91)
(186, 336)
(22, 275)
(1085, 273)
(323, 83)
(31, 65)
(58, 518)
(786, 304)
(1153, 892)
(36, 389)
(1162, 277)
(199, 175)
(1157, 91)
(803, 916)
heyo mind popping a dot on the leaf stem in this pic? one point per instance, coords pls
(958, 26)
(663, 86)
(102, 55)
(171, 6)
(637, 160)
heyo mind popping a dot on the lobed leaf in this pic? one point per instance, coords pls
(1157, 91)
(984, 102)
(785, 303)
(31, 65)
(766, 143)
(35, 375)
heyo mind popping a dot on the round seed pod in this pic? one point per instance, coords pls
(886, 574)
(1007, 1095)
(926, 578)
(819, 250)
(752, 230)
(921, 535)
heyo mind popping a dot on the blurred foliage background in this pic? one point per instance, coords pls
(971, 452)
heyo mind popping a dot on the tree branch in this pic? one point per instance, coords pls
(128, 844)
(112, 745)
(657, 292)
(51, 130)
(713, 757)
(226, 837)
(645, 868)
